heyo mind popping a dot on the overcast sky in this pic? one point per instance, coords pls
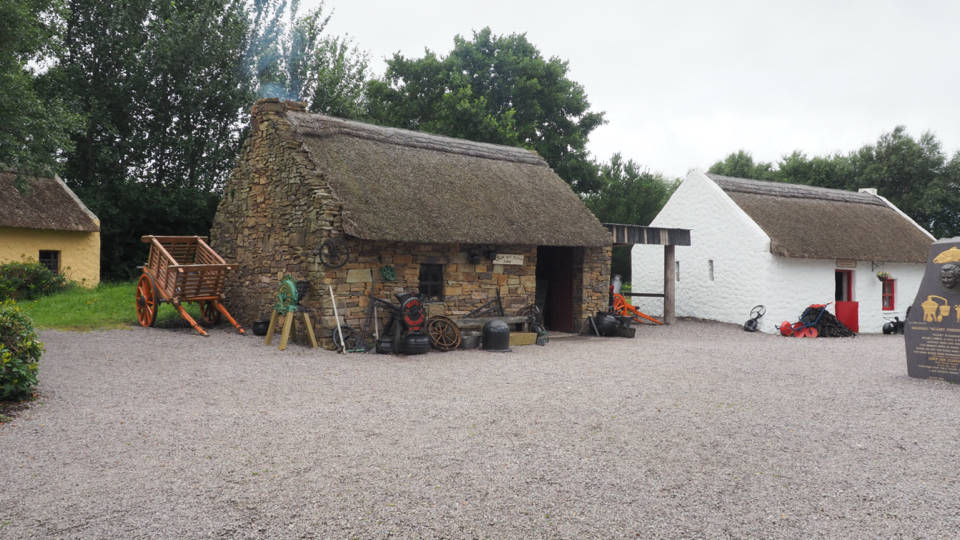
(685, 83)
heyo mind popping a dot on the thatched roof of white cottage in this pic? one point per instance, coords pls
(47, 203)
(407, 186)
(819, 223)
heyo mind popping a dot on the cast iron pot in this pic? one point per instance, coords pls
(260, 327)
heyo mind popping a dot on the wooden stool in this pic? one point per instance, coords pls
(287, 326)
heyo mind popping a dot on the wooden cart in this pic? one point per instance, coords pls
(182, 269)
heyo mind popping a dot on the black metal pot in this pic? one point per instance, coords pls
(606, 323)
(384, 345)
(260, 327)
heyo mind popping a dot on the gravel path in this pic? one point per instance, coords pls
(697, 430)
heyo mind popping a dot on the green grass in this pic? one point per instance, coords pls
(107, 306)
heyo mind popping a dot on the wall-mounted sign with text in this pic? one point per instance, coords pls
(504, 258)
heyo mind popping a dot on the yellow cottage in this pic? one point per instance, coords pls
(49, 224)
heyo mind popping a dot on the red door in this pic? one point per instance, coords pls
(848, 311)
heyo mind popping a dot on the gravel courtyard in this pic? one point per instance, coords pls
(697, 430)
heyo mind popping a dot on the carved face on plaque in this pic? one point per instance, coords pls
(950, 275)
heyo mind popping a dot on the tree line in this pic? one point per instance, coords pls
(142, 106)
(914, 174)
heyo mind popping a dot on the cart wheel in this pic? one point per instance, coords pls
(619, 305)
(334, 253)
(211, 315)
(147, 301)
(532, 312)
(444, 334)
(350, 337)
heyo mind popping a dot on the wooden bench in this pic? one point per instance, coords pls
(520, 324)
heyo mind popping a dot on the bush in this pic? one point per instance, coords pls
(28, 280)
(19, 352)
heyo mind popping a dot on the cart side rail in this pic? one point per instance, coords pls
(206, 255)
(198, 281)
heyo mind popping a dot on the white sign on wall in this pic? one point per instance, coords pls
(503, 258)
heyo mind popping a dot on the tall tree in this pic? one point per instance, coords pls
(36, 131)
(913, 174)
(496, 89)
(631, 195)
(292, 58)
(741, 165)
(163, 88)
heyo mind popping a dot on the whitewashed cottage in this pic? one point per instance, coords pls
(785, 246)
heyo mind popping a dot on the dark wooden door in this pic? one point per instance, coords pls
(555, 266)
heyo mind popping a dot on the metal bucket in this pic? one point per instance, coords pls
(496, 336)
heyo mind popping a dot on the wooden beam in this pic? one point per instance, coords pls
(669, 285)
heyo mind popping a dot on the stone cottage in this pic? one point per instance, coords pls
(47, 223)
(456, 220)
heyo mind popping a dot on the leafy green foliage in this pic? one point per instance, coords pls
(741, 165)
(496, 89)
(35, 131)
(20, 352)
(913, 174)
(163, 87)
(27, 280)
(628, 195)
(295, 60)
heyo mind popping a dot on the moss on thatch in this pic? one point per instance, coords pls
(405, 186)
(47, 203)
(818, 223)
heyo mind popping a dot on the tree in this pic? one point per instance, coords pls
(294, 60)
(913, 174)
(741, 165)
(36, 131)
(163, 88)
(628, 195)
(496, 89)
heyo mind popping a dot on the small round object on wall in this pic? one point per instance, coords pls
(388, 272)
(334, 253)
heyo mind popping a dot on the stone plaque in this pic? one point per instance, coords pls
(932, 330)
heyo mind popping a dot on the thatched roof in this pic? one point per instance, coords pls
(407, 186)
(818, 223)
(47, 204)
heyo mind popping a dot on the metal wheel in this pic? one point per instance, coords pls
(388, 272)
(334, 253)
(444, 334)
(287, 297)
(757, 312)
(413, 314)
(211, 315)
(533, 313)
(350, 337)
(148, 301)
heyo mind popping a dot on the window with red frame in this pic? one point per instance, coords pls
(887, 295)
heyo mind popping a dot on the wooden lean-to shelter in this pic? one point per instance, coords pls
(457, 220)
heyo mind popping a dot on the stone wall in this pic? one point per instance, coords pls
(277, 210)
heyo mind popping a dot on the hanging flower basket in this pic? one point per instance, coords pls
(883, 276)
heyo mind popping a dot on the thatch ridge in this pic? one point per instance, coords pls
(795, 191)
(47, 204)
(398, 185)
(820, 223)
(320, 126)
